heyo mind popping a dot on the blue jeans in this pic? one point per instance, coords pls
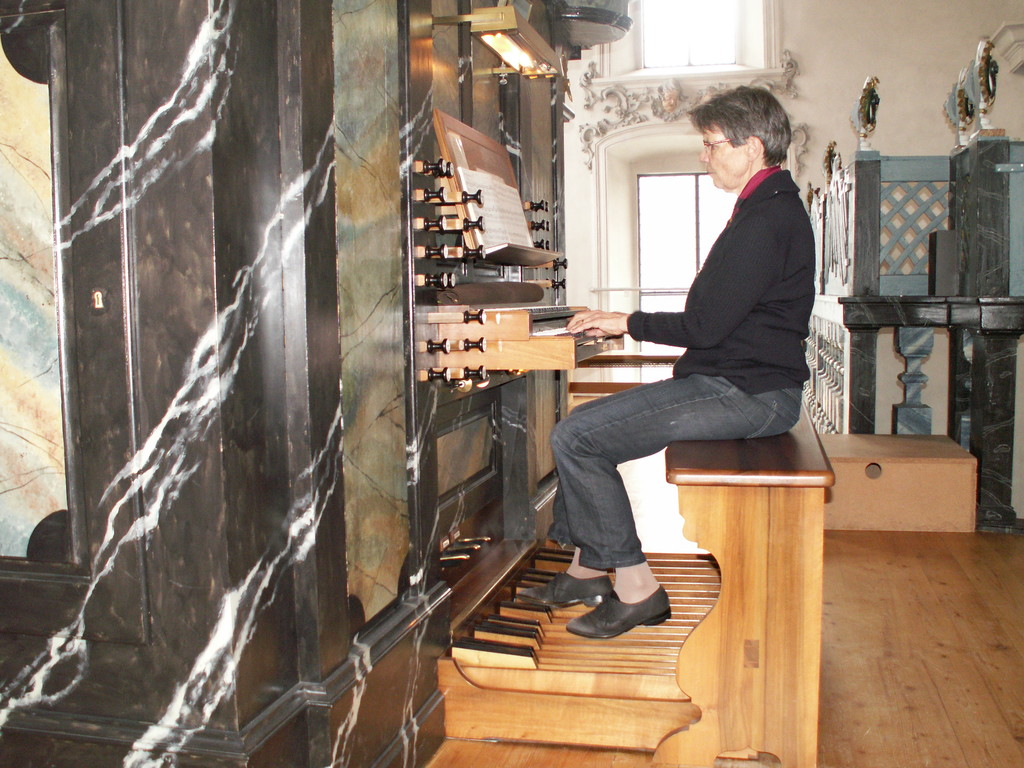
(591, 508)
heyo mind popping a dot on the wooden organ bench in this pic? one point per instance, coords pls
(733, 675)
(753, 664)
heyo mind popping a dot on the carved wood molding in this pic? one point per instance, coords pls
(670, 101)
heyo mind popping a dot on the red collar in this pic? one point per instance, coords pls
(755, 181)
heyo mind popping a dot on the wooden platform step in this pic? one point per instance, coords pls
(900, 483)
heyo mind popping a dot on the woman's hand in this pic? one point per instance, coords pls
(597, 323)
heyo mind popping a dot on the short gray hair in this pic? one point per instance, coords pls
(743, 112)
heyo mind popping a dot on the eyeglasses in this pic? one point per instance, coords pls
(709, 145)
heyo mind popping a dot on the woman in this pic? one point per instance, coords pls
(741, 376)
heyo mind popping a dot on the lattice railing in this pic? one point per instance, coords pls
(910, 212)
(874, 224)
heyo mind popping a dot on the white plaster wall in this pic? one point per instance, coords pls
(916, 48)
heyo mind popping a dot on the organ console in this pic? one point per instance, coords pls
(515, 338)
(502, 330)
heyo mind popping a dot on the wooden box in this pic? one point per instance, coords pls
(900, 483)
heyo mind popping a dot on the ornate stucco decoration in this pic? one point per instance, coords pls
(670, 101)
(1009, 43)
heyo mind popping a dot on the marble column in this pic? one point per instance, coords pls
(861, 381)
(961, 344)
(993, 401)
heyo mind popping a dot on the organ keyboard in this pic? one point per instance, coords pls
(506, 339)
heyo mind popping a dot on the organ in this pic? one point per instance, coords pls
(302, 230)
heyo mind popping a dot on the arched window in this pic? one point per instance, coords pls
(680, 215)
(681, 37)
(652, 213)
(689, 33)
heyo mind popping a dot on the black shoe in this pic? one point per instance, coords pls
(565, 590)
(613, 617)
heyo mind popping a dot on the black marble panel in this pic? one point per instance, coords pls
(486, 116)
(959, 410)
(312, 371)
(191, 179)
(993, 398)
(388, 689)
(449, 65)
(862, 374)
(85, 104)
(981, 217)
(1001, 314)
(546, 392)
(470, 448)
(516, 440)
(874, 312)
(247, 195)
(867, 175)
(418, 142)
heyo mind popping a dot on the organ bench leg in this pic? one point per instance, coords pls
(752, 665)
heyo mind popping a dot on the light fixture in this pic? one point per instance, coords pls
(510, 36)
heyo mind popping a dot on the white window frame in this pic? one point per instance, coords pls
(758, 48)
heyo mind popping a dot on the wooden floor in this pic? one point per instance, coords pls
(922, 660)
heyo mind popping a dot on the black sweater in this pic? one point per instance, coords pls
(746, 315)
